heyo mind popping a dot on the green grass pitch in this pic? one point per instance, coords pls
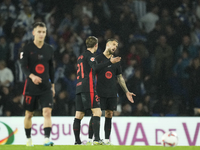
(99, 147)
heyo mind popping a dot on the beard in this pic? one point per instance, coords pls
(110, 51)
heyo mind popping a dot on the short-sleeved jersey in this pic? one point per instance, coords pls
(38, 61)
(106, 78)
(86, 68)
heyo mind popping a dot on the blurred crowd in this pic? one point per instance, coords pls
(159, 42)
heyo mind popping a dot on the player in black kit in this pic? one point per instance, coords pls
(107, 88)
(37, 64)
(86, 96)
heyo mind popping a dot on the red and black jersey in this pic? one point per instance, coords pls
(38, 61)
(86, 69)
(106, 78)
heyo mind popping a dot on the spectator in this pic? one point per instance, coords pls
(126, 110)
(139, 111)
(148, 21)
(133, 54)
(136, 84)
(8, 13)
(14, 107)
(6, 75)
(186, 45)
(163, 59)
(60, 104)
(197, 12)
(195, 34)
(193, 71)
(2, 23)
(14, 48)
(4, 49)
(5, 98)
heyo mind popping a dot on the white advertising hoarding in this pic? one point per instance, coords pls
(125, 130)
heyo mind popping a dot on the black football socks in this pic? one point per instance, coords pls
(90, 132)
(107, 127)
(47, 132)
(76, 128)
(96, 127)
(28, 133)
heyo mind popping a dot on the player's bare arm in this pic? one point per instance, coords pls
(53, 89)
(115, 59)
(122, 83)
(36, 80)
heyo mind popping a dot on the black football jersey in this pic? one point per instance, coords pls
(38, 61)
(106, 78)
(86, 70)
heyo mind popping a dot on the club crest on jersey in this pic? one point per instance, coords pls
(92, 59)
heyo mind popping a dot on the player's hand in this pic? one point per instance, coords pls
(115, 60)
(36, 80)
(130, 95)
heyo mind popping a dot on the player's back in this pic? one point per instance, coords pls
(85, 73)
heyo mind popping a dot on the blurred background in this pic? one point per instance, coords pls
(159, 42)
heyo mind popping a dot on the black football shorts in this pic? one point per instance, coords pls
(86, 100)
(108, 103)
(31, 102)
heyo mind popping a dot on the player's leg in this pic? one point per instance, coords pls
(108, 125)
(91, 101)
(96, 124)
(29, 106)
(110, 105)
(90, 132)
(46, 101)
(27, 126)
(77, 126)
(46, 112)
(78, 117)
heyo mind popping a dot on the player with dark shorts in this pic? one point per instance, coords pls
(37, 64)
(107, 88)
(86, 96)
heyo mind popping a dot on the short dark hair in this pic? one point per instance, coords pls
(91, 41)
(111, 40)
(40, 24)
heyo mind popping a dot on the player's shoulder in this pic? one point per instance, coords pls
(99, 57)
(49, 46)
(28, 46)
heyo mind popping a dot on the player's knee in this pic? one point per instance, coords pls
(29, 115)
(47, 113)
(79, 115)
(108, 114)
(97, 113)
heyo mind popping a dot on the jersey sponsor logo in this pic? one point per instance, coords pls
(21, 55)
(92, 59)
(39, 68)
(40, 56)
(108, 75)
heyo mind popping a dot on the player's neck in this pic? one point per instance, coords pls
(39, 44)
(91, 50)
(107, 54)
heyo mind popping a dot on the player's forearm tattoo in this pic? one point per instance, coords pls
(122, 83)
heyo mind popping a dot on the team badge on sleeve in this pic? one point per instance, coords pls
(21, 55)
(92, 59)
